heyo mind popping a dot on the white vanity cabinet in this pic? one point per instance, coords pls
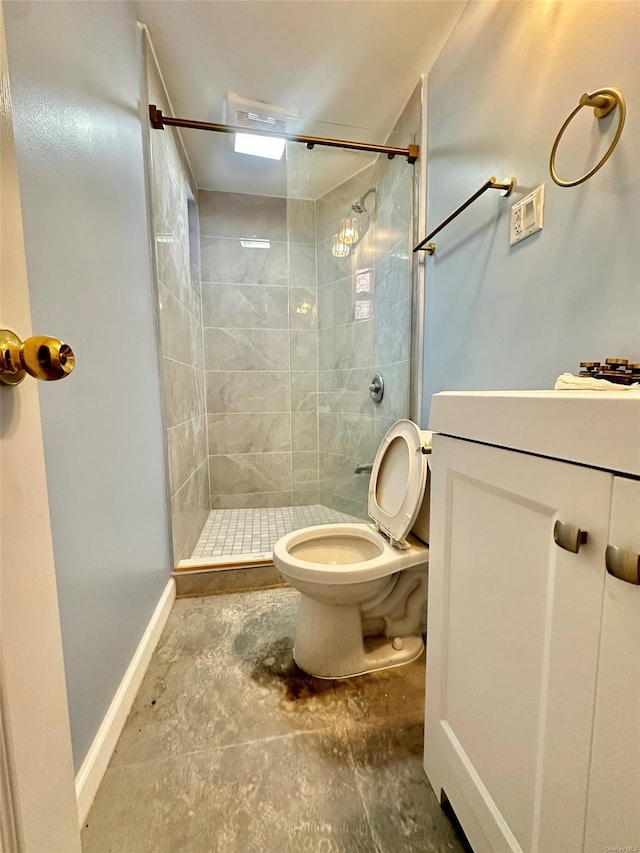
(533, 651)
(614, 785)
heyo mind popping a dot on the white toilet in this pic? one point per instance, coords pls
(364, 586)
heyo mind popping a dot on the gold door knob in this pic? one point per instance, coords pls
(43, 357)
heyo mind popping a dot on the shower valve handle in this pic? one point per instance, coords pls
(376, 388)
(363, 468)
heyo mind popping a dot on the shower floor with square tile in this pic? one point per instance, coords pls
(230, 747)
(253, 531)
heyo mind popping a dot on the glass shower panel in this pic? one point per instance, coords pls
(349, 218)
(305, 268)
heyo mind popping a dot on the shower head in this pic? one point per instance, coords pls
(359, 205)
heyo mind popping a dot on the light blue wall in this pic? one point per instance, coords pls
(500, 317)
(74, 70)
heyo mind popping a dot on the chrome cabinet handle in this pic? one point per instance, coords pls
(568, 537)
(624, 565)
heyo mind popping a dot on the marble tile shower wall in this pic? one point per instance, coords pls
(303, 320)
(363, 328)
(260, 336)
(180, 310)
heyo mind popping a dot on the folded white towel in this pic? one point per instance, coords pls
(569, 382)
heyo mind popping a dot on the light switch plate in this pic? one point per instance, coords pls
(526, 216)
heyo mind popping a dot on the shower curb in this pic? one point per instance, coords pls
(236, 577)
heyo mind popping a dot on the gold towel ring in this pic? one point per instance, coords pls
(603, 102)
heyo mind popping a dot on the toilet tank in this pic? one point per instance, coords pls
(421, 524)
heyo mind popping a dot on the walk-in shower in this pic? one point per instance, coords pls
(270, 339)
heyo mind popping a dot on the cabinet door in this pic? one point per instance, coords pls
(512, 643)
(613, 814)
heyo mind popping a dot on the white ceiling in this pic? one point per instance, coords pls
(350, 63)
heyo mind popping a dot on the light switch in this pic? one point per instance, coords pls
(526, 216)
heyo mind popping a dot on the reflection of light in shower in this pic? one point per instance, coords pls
(362, 309)
(349, 230)
(363, 281)
(339, 249)
(253, 243)
(359, 206)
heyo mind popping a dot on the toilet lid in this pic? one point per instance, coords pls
(398, 478)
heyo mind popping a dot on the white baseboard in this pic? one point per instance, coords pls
(97, 758)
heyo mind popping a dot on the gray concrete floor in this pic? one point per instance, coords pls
(230, 747)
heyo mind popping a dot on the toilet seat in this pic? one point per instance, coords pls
(387, 561)
(398, 479)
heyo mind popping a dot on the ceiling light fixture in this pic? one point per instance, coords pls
(271, 147)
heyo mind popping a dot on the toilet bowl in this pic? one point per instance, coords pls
(364, 585)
